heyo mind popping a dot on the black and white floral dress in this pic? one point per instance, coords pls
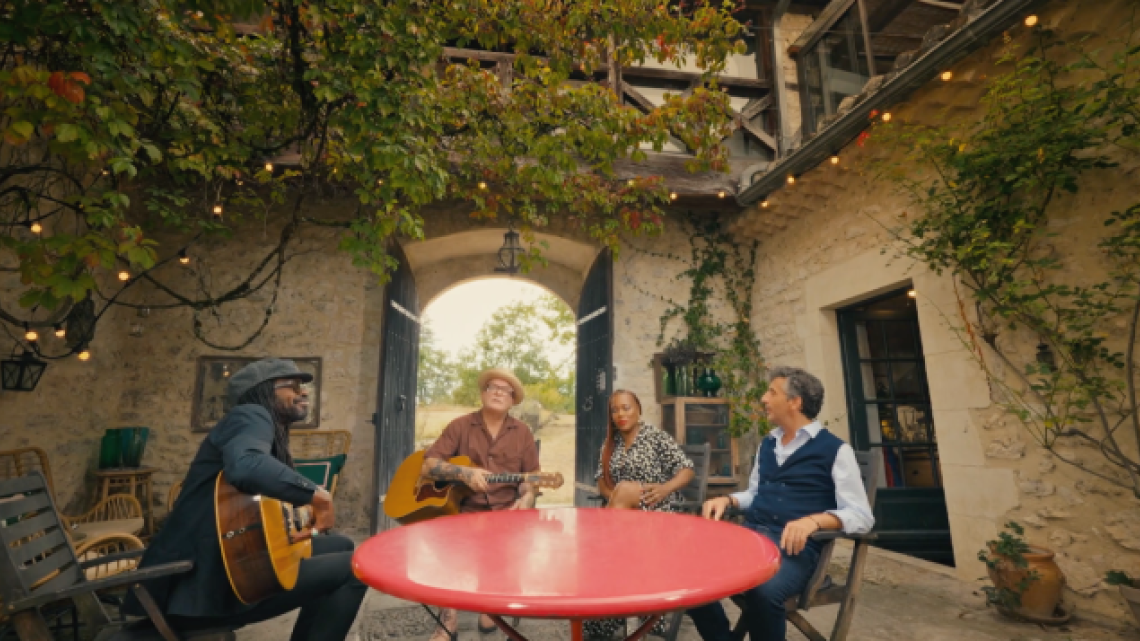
(653, 457)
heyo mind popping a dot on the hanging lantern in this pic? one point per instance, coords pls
(21, 374)
(80, 323)
(1045, 356)
(509, 253)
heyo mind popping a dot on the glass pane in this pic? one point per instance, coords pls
(919, 468)
(876, 348)
(900, 339)
(908, 380)
(720, 464)
(716, 437)
(892, 467)
(834, 67)
(873, 435)
(706, 414)
(669, 419)
(888, 427)
(882, 381)
(914, 424)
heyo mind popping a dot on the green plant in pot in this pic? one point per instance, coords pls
(1027, 583)
(1129, 589)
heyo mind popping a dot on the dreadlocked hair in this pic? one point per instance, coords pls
(265, 395)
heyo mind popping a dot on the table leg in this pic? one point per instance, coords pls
(511, 633)
(576, 630)
(645, 628)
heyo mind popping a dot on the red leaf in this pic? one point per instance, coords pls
(81, 77)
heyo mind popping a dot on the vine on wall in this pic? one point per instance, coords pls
(718, 265)
(988, 191)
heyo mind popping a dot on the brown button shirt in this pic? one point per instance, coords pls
(512, 451)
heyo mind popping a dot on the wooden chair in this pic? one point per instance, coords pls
(820, 589)
(39, 566)
(117, 514)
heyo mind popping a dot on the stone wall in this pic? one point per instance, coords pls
(823, 244)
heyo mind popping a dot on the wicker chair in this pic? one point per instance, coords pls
(117, 514)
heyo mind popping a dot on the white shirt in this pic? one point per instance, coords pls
(853, 509)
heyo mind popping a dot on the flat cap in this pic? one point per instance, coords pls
(257, 372)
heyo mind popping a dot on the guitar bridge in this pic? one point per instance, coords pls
(238, 532)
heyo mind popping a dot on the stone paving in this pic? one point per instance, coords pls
(902, 599)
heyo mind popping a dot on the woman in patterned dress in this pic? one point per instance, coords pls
(641, 467)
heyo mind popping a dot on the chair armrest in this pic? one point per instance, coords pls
(85, 587)
(831, 535)
(111, 558)
(116, 506)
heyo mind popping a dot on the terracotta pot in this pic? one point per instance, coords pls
(1132, 597)
(1042, 595)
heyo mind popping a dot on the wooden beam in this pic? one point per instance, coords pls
(637, 98)
(755, 132)
(603, 70)
(754, 107)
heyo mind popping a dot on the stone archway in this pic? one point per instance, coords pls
(442, 263)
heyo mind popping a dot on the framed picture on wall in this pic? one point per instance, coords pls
(213, 375)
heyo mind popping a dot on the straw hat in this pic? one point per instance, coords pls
(502, 375)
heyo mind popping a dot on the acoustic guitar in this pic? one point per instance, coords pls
(263, 541)
(412, 497)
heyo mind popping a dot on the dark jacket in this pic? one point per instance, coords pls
(241, 445)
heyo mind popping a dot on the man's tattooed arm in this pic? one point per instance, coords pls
(438, 470)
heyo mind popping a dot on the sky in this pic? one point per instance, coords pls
(459, 313)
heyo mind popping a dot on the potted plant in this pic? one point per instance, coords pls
(1027, 583)
(1129, 589)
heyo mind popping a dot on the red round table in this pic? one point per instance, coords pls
(566, 563)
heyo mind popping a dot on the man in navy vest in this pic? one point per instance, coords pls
(805, 479)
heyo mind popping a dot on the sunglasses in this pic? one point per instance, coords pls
(294, 385)
(495, 389)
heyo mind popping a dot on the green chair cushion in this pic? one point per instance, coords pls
(320, 470)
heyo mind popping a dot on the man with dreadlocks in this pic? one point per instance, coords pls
(251, 445)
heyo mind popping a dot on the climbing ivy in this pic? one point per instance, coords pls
(718, 266)
(989, 192)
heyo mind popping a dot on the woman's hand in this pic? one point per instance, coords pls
(654, 493)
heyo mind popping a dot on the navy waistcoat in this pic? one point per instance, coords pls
(801, 486)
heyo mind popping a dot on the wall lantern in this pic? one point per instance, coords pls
(509, 253)
(21, 373)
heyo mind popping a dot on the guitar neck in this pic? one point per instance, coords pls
(508, 478)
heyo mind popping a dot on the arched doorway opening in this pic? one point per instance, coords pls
(577, 273)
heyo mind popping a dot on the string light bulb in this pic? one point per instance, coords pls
(84, 355)
(269, 166)
(379, 181)
(720, 194)
(124, 275)
(886, 116)
(630, 183)
(672, 195)
(482, 185)
(835, 159)
(791, 179)
(764, 203)
(183, 257)
(946, 76)
(36, 228)
(30, 334)
(60, 332)
(911, 293)
(1030, 21)
(218, 211)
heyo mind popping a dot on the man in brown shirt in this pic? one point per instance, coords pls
(497, 444)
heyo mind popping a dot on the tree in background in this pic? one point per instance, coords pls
(521, 337)
(437, 370)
